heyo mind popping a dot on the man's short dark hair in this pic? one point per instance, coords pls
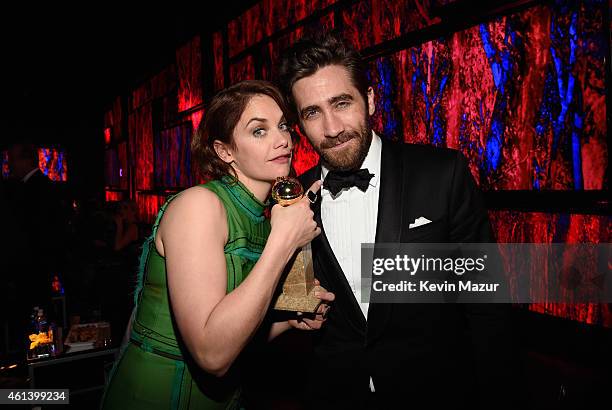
(24, 151)
(312, 53)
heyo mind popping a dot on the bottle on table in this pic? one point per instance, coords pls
(41, 321)
(33, 321)
(42, 341)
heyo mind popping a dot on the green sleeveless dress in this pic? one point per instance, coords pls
(154, 369)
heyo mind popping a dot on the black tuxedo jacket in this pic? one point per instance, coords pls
(37, 212)
(419, 355)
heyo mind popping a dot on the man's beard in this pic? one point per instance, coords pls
(349, 158)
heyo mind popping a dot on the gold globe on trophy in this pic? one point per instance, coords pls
(298, 279)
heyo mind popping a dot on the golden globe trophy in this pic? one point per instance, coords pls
(298, 278)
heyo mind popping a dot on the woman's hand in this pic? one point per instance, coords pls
(304, 323)
(294, 225)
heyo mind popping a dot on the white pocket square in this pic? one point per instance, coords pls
(420, 221)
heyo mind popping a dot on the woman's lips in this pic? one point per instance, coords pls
(283, 159)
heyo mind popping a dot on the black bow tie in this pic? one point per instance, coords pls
(336, 180)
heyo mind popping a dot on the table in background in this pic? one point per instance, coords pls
(84, 373)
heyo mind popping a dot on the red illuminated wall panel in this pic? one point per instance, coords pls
(219, 81)
(112, 121)
(370, 22)
(520, 96)
(196, 118)
(149, 205)
(111, 168)
(140, 96)
(169, 107)
(52, 162)
(123, 165)
(141, 146)
(113, 196)
(164, 82)
(527, 227)
(242, 70)
(274, 48)
(173, 157)
(280, 14)
(266, 18)
(304, 156)
(245, 30)
(189, 67)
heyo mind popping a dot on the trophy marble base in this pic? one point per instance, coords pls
(307, 304)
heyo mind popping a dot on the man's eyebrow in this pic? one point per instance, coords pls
(255, 119)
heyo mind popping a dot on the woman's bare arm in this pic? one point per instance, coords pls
(214, 325)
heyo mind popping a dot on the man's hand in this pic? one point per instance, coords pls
(320, 317)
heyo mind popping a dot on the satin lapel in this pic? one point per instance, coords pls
(389, 221)
(333, 271)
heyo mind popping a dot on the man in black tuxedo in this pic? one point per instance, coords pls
(36, 210)
(389, 355)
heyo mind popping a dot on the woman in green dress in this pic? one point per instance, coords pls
(209, 270)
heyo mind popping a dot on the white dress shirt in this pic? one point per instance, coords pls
(349, 219)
